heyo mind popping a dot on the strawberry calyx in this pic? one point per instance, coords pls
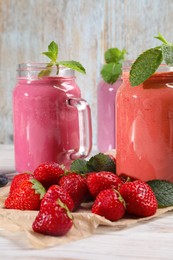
(120, 198)
(38, 187)
(64, 206)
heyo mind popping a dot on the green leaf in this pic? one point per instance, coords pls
(38, 187)
(64, 206)
(101, 162)
(75, 65)
(145, 65)
(167, 51)
(111, 72)
(161, 38)
(50, 55)
(53, 47)
(52, 52)
(44, 73)
(79, 166)
(163, 191)
(114, 55)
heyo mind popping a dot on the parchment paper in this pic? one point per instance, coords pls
(16, 225)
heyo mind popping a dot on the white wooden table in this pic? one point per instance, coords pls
(148, 240)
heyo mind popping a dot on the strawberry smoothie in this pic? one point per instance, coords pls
(106, 115)
(46, 120)
(145, 127)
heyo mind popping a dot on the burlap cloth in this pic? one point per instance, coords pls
(16, 225)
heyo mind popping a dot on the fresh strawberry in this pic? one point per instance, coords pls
(76, 186)
(57, 192)
(18, 179)
(53, 219)
(27, 196)
(98, 181)
(109, 204)
(139, 197)
(125, 178)
(48, 173)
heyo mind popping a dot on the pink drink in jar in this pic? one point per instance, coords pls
(144, 133)
(51, 120)
(106, 114)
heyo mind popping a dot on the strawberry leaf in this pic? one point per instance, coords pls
(163, 191)
(79, 166)
(101, 162)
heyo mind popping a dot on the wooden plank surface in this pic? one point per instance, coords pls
(83, 30)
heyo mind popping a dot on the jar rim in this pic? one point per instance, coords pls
(34, 69)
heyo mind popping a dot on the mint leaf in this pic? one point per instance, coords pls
(161, 38)
(44, 73)
(113, 68)
(163, 191)
(114, 55)
(53, 47)
(101, 162)
(79, 166)
(167, 51)
(52, 54)
(145, 65)
(75, 65)
(111, 72)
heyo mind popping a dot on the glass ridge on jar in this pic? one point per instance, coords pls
(51, 120)
(144, 136)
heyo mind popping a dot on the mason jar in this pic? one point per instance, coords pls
(106, 123)
(51, 120)
(144, 114)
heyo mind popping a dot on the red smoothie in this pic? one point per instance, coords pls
(51, 121)
(144, 135)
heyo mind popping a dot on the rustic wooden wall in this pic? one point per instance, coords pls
(84, 29)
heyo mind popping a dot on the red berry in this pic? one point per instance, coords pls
(27, 196)
(76, 186)
(18, 179)
(57, 192)
(139, 197)
(98, 181)
(109, 204)
(53, 219)
(48, 173)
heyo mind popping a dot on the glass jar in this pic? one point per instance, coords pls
(51, 120)
(144, 147)
(106, 115)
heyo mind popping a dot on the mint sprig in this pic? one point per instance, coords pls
(113, 68)
(52, 54)
(163, 191)
(148, 62)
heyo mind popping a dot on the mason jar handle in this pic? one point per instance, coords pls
(85, 127)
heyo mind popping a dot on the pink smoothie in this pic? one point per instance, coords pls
(145, 128)
(45, 126)
(106, 115)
